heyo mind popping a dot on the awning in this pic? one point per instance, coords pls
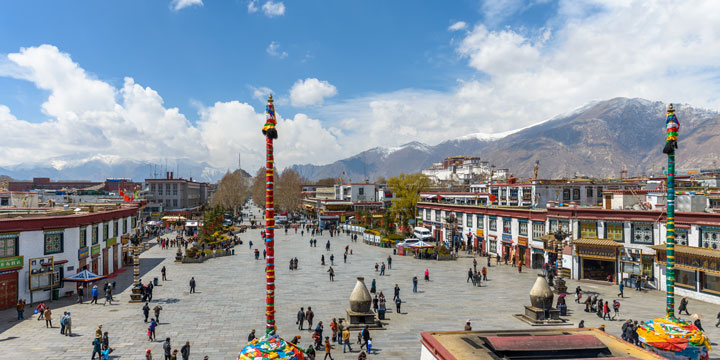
(691, 258)
(690, 250)
(420, 245)
(85, 276)
(597, 242)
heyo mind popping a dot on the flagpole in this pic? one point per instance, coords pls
(672, 126)
(270, 133)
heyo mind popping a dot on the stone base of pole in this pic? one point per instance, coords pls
(135, 297)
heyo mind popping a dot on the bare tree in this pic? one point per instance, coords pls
(258, 188)
(289, 191)
(232, 192)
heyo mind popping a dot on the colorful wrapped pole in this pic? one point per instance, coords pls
(270, 133)
(672, 126)
(270, 346)
(671, 337)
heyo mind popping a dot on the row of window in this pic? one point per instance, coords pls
(689, 280)
(54, 240)
(167, 187)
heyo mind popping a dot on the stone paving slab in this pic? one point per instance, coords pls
(230, 301)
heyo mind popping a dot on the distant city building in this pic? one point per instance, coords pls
(465, 169)
(173, 196)
(109, 185)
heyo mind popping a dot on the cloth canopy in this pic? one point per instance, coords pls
(85, 276)
(420, 245)
(173, 218)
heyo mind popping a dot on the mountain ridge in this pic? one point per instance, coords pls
(598, 139)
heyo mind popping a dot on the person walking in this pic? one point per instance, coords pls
(185, 351)
(427, 274)
(372, 287)
(94, 293)
(164, 273)
(484, 273)
(365, 336)
(20, 307)
(81, 294)
(96, 343)
(345, 257)
(683, 306)
(621, 287)
(334, 329)
(151, 330)
(332, 273)
(470, 275)
(300, 318)
(108, 296)
(346, 339)
(397, 304)
(47, 314)
(718, 322)
(616, 308)
(251, 335)
(192, 284)
(328, 348)
(382, 269)
(309, 315)
(414, 281)
(156, 310)
(396, 292)
(322, 260)
(332, 259)
(389, 262)
(146, 311)
(167, 349)
(475, 264)
(606, 311)
(62, 323)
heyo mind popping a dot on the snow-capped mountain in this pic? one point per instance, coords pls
(599, 139)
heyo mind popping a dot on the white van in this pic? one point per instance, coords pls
(423, 233)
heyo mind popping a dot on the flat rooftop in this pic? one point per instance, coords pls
(554, 343)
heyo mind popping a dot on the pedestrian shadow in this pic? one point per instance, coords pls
(9, 338)
(168, 301)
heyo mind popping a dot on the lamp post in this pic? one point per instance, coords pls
(135, 247)
(560, 236)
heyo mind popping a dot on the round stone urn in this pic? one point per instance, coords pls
(541, 296)
(360, 299)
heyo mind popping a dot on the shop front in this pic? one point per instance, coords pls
(598, 258)
(523, 251)
(480, 244)
(636, 267)
(94, 255)
(507, 247)
(9, 268)
(549, 247)
(697, 271)
(538, 258)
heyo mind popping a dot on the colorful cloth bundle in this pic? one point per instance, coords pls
(674, 335)
(272, 347)
(672, 126)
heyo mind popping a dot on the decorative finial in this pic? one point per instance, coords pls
(672, 127)
(670, 108)
(270, 99)
(270, 122)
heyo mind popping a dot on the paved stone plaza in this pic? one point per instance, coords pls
(230, 302)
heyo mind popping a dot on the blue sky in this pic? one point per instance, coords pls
(190, 75)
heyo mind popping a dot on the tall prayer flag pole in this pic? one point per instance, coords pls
(672, 125)
(270, 133)
(270, 346)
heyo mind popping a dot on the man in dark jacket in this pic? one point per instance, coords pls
(167, 349)
(185, 351)
(300, 318)
(365, 333)
(146, 311)
(192, 285)
(309, 315)
(251, 336)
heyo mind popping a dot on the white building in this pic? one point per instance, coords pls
(36, 252)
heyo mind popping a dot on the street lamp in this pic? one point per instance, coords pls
(135, 296)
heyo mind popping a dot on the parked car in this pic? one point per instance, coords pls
(407, 242)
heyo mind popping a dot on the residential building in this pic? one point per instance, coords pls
(464, 169)
(39, 249)
(176, 196)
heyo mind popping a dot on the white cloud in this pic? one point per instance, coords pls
(670, 53)
(261, 93)
(272, 9)
(311, 91)
(252, 6)
(274, 50)
(460, 25)
(177, 5)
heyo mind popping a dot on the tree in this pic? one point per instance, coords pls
(232, 192)
(258, 188)
(380, 180)
(288, 191)
(406, 189)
